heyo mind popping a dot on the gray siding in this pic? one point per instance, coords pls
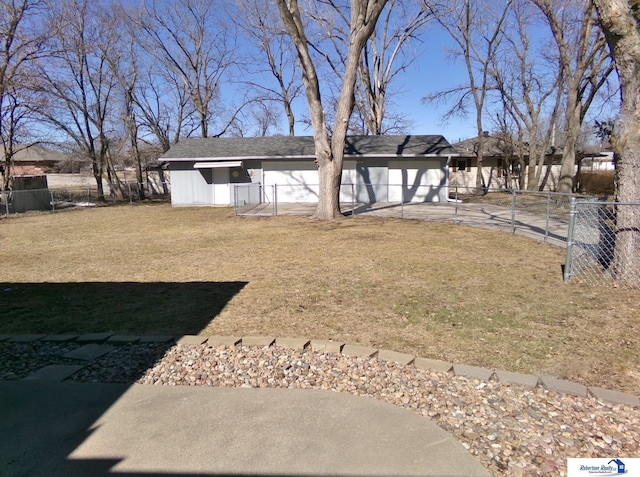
(190, 186)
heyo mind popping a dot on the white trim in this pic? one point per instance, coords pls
(301, 157)
(216, 165)
(233, 158)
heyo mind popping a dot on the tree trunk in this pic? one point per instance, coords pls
(329, 199)
(97, 175)
(6, 175)
(480, 156)
(571, 130)
(532, 168)
(626, 263)
(621, 29)
(7, 163)
(330, 151)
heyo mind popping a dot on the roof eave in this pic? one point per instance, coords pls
(304, 157)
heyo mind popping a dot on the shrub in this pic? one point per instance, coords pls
(597, 182)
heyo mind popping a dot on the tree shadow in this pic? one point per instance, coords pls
(121, 307)
(47, 420)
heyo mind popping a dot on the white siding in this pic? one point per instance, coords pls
(191, 186)
(297, 181)
(349, 180)
(417, 181)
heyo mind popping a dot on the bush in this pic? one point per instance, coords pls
(597, 182)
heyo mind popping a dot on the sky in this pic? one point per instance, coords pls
(432, 71)
(435, 70)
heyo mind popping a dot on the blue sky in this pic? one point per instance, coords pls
(433, 71)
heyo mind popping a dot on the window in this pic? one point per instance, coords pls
(461, 165)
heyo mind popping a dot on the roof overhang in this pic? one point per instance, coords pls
(217, 164)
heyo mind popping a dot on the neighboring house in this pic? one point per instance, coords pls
(376, 169)
(35, 161)
(602, 161)
(497, 160)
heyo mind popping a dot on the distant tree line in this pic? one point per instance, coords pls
(113, 78)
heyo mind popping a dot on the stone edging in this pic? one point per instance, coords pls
(328, 346)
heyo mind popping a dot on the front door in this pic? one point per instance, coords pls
(221, 188)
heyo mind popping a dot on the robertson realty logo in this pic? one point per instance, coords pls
(603, 467)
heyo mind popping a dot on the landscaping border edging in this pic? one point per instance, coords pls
(329, 346)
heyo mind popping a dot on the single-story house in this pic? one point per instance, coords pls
(498, 158)
(216, 171)
(35, 160)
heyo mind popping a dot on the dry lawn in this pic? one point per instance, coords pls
(441, 291)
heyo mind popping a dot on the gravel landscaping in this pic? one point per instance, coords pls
(513, 430)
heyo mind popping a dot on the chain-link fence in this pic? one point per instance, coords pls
(255, 200)
(603, 245)
(542, 215)
(20, 201)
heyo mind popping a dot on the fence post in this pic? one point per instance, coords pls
(455, 219)
(5, 198)
(53, 203)
(235, 199)
(275, 199)
(569, 258)
(402, 203)
(513, 213)
(546, 227)
(353, 199)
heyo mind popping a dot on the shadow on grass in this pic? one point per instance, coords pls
(124, 307)
(48, 420)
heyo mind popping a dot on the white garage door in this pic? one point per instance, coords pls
(416, 181)
(295, 181)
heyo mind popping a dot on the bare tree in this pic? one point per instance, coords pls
(265, 116)
(163, 106)
(77, 85)
(153, 102)
(21, 43)
(477, 29)
(585, 63)
(329, 149)
(530, 86)
(386, 55)
(384, 58)
(620, 21)
(190, 41)
(122, 59)
(262, 25)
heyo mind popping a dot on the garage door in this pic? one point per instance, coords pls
(416, 181)
(295, 181)
(298, 181)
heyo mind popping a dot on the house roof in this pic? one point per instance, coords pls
(302, 147)
(493, 146)
(36, 154)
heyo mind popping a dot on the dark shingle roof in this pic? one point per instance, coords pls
(302, 147)
(493, 146)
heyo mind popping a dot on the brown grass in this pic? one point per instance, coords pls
(597, 182)
(441, 291)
